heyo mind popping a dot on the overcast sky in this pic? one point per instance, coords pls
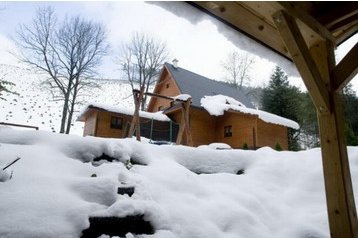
(198, 47)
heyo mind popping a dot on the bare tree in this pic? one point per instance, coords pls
(237, 66)
(68, 52)
(141, 61)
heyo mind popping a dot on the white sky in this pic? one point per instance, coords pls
(199, 47)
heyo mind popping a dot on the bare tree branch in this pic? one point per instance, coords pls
(237, 66)
(68, 52)
(141, 61)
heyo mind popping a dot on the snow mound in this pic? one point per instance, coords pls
(183, 191)
(218, 104)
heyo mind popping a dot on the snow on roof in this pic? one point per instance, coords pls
(182, 97)
(159, 116)
(218, 104)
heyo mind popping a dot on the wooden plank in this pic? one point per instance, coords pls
(345, 71)
(307, 19)
(343, 35)
(243, 20)
(301, 56)
(189, 140)
(265, 10)
(339, 193)
(181, 128)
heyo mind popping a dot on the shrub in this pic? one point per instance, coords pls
(278, 147)
(245, 146)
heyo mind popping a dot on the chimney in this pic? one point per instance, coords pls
(175, 63)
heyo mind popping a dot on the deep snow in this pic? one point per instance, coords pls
(184, 192)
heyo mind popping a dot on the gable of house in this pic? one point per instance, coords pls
(199, 86)
(176, 80)
(165, 86)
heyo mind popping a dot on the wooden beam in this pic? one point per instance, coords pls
(338, 185)
(344, 35)
(189, 140)
(238, 17)
(181, 127)
(307, 19)
(300, 54)
(346, 69)
(338, 12)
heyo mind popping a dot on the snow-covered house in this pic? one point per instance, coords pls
(219, 112)
(113, 122)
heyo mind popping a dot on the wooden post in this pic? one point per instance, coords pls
(189, 140)
(135, 124)
(315, 65)
(184, 125)
(181, 127)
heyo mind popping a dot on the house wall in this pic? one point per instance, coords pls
(104, 125)
(269, 134)
(166, 87)
(90, 124)
(202, 126)
(244, 129)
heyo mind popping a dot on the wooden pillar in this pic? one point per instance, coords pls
(135, 124)
(184, 126)
(315, 63)
(341, 208)
(189, 140)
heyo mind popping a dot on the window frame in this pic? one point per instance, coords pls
(114, 124)
(228, 131)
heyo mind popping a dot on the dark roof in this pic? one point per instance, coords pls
(199, 86)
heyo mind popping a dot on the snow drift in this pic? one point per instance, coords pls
(184, 192)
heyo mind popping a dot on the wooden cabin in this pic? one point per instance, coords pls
(234, 127)
(113, 122)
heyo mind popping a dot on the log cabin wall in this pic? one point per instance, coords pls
(269, 134)
(242, 127)
(202, 125)
(104, 125)
(165, 87)
(90, 124)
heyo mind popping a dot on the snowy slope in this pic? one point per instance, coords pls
(183, 192)
(34, 106)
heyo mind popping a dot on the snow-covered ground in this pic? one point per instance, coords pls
(183, 192)
(35, 106)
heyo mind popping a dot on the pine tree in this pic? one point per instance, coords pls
(350, 105)
(282, 99)
(4, 87)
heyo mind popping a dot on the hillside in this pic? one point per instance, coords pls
(35, 106)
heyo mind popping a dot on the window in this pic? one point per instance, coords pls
(116, 122)
(160, 108)
(167, 85)
(227, 131)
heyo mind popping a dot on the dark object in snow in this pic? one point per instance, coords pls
(136, 161)
(126, 190)
(161, 142)
(13, 162)
(94, 175)
(240, 171)
(104, 157)
(117, 226)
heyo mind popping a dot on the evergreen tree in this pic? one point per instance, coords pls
(4, 88)
(350, 105)
(308, 122)
(282, 99)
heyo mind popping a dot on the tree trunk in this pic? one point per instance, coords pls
(64, 113)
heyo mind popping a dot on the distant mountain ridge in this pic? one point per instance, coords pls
(35, 106)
